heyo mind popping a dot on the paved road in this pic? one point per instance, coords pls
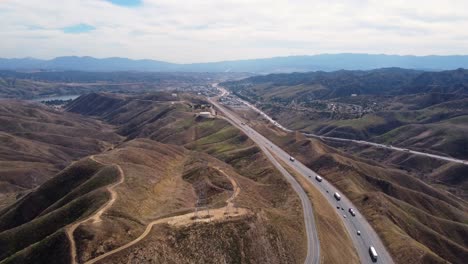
(368, 236)
(313, 243)
(225, 92)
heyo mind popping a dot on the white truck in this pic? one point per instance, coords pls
(337, 196)
(373, 254)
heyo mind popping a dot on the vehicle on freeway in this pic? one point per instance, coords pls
(318, 178)
(242, 123)
(351, 211)
(358, 233)
(373, 254)
(344, 216)
(338, 207)
(337, 196)
(292, 159)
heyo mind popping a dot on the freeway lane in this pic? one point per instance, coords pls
(391, 147)
(368, 236)
(313, 243)
(225, 92)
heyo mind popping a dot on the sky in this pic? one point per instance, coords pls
(215, 30)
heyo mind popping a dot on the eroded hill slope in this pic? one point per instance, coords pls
(37, 142)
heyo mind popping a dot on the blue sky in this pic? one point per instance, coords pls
(213, 30)
(128, 3)
(79, 28)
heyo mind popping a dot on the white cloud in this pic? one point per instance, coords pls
(212, 30)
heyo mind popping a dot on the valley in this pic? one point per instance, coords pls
(146, 176)
(234, 132)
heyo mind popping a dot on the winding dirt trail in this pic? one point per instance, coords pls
(96, 217)
(225, 212)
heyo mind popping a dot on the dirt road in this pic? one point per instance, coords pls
(226, 212)
(96, 217)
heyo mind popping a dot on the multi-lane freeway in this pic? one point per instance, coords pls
(368, 237)
(313, 243)
(362, 142)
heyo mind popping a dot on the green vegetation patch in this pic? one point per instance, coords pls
(36, 230)
(54, 249)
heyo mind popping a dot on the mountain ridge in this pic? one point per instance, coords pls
(302, 63)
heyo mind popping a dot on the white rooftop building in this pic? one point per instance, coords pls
(204, 114)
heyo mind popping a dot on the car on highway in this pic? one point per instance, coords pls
(344, 216)
(318, 178)
(292, 159)
(351, 211)
(373, 254)
(337, 196)
(358, 233)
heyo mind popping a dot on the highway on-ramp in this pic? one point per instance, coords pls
(368, 237)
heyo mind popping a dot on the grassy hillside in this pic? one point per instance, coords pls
(72, 194)
(421, 110)
(170, 161)
(385, 81)
(37, 142)
(418, 222)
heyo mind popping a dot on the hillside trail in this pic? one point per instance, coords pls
(226, 212)
(96, 217)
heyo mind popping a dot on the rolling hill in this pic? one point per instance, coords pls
(418, 220)
(38, 142)
(420, 110)
(140, 194)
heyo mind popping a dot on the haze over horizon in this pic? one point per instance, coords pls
(209, 31)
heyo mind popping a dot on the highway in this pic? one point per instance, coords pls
(361, 242)
(445, 158)
(313, 243)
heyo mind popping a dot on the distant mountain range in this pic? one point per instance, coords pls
(323, 62)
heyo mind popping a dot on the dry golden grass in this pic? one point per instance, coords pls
(36, 142)
(417, 222)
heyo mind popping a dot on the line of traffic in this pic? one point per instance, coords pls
(313, 243)
(367, 242)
